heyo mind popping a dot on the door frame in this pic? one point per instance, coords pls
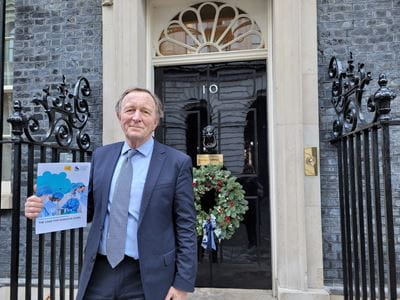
(233, 56)
(292, 95)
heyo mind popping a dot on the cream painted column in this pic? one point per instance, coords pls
(295, 198)
(124, 57)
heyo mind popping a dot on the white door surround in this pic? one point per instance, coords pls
(290, 27)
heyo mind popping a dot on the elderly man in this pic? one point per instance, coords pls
(142, 242)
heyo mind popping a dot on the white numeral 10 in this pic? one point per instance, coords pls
(213, 89)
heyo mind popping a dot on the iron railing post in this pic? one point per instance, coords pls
(392, 285)
(15, 230)
(370, 229)
(342, 220)
(347, 215)
(378, 217)
(360, 212)
(41, 242)
(28, 244)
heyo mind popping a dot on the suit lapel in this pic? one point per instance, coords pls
(155, 167)
(111, 159)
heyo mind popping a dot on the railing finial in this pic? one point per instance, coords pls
(18, 121)
(380, 101)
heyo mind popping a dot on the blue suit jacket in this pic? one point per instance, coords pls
(166, 231)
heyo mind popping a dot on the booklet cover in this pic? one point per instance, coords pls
(63, 188)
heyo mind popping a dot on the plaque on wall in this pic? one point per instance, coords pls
(210, 159)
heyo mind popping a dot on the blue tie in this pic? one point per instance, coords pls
(119, 210)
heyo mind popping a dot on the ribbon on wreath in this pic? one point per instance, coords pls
(209, 230)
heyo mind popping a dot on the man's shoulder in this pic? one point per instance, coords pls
(171, 151)
(109, 147)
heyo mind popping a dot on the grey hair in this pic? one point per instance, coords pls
(157, 101)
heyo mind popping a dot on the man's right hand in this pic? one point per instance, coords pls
(33, 207)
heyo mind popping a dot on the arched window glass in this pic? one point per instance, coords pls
(209, 27)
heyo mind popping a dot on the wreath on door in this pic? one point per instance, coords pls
(229, 202)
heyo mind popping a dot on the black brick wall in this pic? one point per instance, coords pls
(59, 38)
(54, 38)
(371, 30)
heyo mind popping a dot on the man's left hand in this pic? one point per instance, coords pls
(175, 294)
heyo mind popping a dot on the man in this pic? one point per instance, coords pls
(159, 259)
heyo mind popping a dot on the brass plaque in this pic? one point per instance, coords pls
(310, 161)
(210, 159)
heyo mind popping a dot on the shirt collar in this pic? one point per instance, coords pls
(144, 149)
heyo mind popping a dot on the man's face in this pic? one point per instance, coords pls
(138, 117)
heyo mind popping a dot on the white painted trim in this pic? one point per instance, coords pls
(149, 49)
(243, 55)
(124, 58)
(293, 124)
(270, 151)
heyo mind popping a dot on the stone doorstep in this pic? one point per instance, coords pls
(310, 294)
(199, 294)
(230, 294)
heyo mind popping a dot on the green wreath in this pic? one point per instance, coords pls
(230, 204)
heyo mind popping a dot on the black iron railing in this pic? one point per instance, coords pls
(363, 141)
(47, 140)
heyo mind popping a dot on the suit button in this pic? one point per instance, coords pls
(93, 259)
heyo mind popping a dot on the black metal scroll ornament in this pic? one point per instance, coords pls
(348, 88)
(65, 112)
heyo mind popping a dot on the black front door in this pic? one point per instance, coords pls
(231, 97)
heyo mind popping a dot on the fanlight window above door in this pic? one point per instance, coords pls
(209, 27)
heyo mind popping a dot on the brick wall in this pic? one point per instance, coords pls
(371, 30)
(54, 38)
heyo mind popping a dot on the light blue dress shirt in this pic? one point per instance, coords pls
(140, 166)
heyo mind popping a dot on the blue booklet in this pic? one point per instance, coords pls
(63, 188)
